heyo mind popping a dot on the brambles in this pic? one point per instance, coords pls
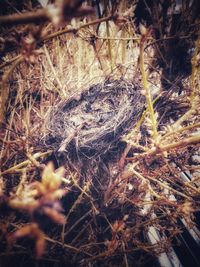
(119, 183)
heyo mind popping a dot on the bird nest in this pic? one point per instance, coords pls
(93, 124)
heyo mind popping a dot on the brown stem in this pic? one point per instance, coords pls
(161, 148)
(74, 30)
(50, 13)
(39, 16)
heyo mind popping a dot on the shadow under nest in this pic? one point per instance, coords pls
(90, 126)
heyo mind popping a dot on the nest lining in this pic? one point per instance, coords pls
(94, 123)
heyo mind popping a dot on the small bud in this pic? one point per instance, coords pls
(130, 186)
(143, 29)
(143, 92)
(165, 154)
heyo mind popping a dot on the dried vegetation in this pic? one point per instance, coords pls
(84, 184)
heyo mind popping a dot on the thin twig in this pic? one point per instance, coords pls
(26, 162)
(4, 89)
(67, 246)
(50, 13)
(164, 185)
(76, 29)
(147, 91)
(159, 149)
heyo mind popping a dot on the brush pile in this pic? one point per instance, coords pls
(92, 124)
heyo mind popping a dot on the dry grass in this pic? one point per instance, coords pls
(97, 214)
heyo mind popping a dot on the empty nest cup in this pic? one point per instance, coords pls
(93, 124)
